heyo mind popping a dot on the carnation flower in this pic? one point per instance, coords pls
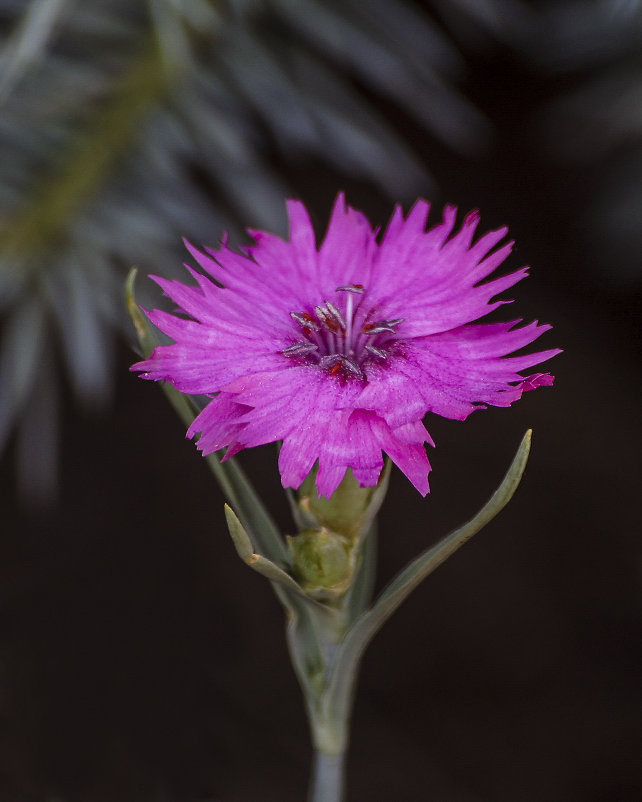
(341, 351)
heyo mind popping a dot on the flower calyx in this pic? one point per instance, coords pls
(347, 511)
(323, 562)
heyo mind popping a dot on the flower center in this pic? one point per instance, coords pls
(341, 340)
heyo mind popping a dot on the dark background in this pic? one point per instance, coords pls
(140, 660)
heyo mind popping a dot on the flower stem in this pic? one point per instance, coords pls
(327, 777)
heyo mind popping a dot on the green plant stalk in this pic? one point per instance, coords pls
(328, 777)
(327, 638)
(330, 704)
(329, 725)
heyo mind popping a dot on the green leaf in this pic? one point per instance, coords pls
(246, 552)
(251, 510)
(143, 330)
(376, 500)
(239, 536)
(357, 639)
(236, 488)
(360, 594)
(252, 526)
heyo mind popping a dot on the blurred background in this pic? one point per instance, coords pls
(139, 659)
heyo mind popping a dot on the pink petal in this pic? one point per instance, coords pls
(278, 335)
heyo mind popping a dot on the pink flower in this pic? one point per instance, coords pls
(340, 351)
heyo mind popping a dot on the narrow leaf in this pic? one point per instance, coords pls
(426, 563)
(376, 501)
(400, 588)
(239, 536)
(252, 512)
(143, 330)
(256, 561)
(360, 594)
(235, 486)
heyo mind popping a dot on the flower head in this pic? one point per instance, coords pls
(340, 351)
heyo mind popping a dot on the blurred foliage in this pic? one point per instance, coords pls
(125, 126)
(595, 48)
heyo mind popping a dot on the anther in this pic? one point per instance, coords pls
(326, 318)
(352, 366)
(377, 351)
(377, 328)
(336, 314)
(299, 349)
(359, 288)
(336, 362)
(305, 320)
(382, 325)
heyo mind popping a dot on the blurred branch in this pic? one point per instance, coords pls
(126, 126)
(91, 155)
(598, 121)
(29, 40)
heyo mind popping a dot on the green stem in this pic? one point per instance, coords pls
(327, 777)
(329, 723)
(328, 715)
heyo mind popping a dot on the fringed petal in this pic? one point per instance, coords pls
(339, 352)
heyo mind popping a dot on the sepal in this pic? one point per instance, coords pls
(349, 511)
(323, 561)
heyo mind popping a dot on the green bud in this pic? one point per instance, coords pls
(321, 559)
(344, 512)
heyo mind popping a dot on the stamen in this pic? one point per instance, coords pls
(338, 340)
(352, 288)
(349, 363)
(330, 360)
(305, 320)
(299, 349)
(326, 318)
(382, 325)
(377, 328)
(335, 362)
(377, 351)
(336, 313)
